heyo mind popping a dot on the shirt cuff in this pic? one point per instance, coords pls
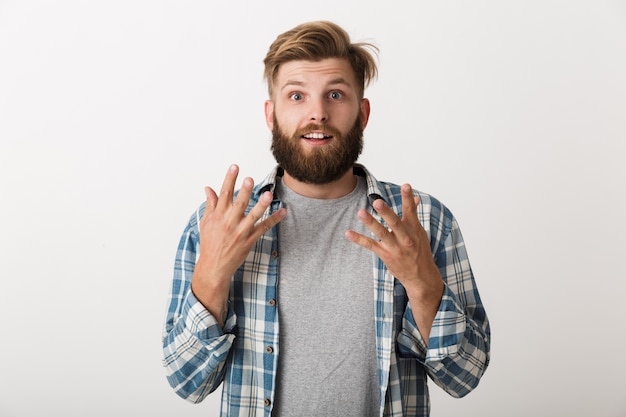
(446, 332)
(202, 324)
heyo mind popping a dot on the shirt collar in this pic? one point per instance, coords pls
(374, 190)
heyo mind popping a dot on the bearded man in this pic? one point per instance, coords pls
(322, 291)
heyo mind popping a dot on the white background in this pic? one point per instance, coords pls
(115, 114)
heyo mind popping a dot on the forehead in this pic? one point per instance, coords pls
(326, 71)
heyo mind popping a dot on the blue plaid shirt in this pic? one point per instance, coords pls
(199, 355)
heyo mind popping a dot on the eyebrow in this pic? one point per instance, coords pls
(333, 82)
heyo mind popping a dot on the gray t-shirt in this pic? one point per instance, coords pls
(327, 354)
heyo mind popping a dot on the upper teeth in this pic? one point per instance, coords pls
(315, 136)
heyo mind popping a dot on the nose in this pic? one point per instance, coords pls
(317, 111)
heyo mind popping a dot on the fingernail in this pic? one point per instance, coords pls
(233, 168)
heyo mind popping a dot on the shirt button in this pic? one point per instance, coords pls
(275, 254)
(272, 302)
(269, 349)
(267, 402)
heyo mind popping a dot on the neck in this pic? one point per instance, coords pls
(339, 188)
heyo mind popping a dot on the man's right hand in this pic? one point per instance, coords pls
(226, 237)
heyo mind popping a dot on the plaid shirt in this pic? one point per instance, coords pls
(199, 355)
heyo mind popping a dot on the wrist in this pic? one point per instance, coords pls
(212, 293)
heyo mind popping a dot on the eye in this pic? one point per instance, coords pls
(296, 96)
(335, 95)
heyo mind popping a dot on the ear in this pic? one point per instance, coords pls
(269, 114)
(365, 112)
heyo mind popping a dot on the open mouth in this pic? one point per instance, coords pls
(316, 136)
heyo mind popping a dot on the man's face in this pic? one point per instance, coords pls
(317, 119)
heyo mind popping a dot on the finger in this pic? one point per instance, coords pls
(257, 212)
(418, 224)
(267, 224)
(243, 198)
(409, 206)
(259, 208)
(417, 203)
(364, 241)
(374, 225)
(390, 217)
(211, 198)
(228, 188)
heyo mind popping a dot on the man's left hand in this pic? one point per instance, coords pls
(404, 247)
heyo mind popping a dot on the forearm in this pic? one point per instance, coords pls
(426, 299)
(212, 294)
(456, 353)
(195, 345)
(459, 343)
(195, 349)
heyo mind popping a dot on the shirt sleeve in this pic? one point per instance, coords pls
(195, 347)
(458, 348)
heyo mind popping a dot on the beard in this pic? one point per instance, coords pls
(317, 165)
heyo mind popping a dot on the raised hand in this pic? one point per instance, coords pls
(404, 247)
(226, 236)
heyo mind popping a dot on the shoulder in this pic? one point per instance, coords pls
(391, 193)
(433, 214)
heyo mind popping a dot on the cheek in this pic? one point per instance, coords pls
(348, 119)
(288, 121)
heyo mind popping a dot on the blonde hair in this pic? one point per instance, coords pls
(314, 41)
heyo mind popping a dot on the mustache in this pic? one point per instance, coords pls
(317, 127)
